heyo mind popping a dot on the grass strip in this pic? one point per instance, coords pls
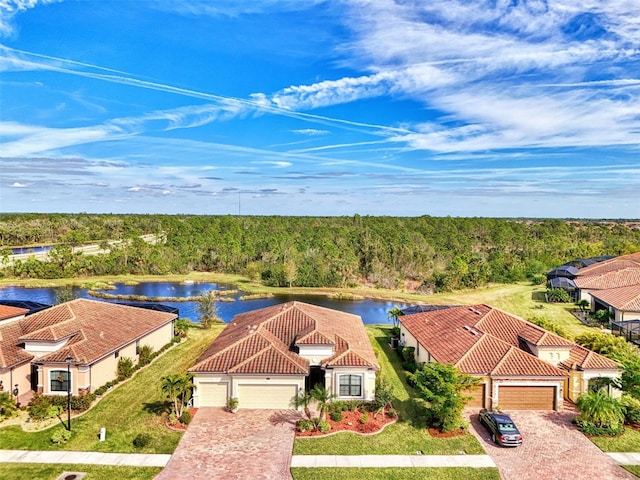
(446, 473)
(628, 441)
(30, 471)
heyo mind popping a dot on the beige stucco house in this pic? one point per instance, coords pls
(84, 337)
(265, 357)
(521, 366)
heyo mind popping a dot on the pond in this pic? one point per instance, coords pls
(371, 311)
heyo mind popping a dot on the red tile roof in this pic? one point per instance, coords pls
(622, 298)
(584, 359)
(92, 329)
(482, 340)
(8, 312)
(618, 263)
(262, 341)
(614, 279)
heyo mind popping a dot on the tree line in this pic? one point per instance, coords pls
(430, 253)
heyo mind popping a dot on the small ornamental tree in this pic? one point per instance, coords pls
(208, 309)
(177, 389)
(442, 386)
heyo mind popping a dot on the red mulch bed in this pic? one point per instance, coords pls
(434, 432)
(351, 423)
(179, 427)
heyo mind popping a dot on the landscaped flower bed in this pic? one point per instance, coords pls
(355, 421)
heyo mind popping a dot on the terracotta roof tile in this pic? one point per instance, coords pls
(585, 359)
(622, 298)
(94, 328)
(618, 263)
(314, 338)
(8, 312)
(517, 363)
(278, 327)
(483, 340)
(614, 279)
(483, 357)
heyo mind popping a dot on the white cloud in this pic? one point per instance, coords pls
(10, 8)
(312, 132)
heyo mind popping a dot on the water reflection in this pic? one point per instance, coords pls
(371, 311)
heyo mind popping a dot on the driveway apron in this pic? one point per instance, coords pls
(254, 444)
(553, 449)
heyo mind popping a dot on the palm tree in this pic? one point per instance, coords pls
(302, 400)
(583, 305)
(181, 327)
(393, 314)
(600, 410)
(321, 395)
(178, 389)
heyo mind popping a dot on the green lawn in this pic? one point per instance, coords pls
(629, 441)
(635, 469)
(395, 473)
(21, 471)
(133, 407)
(405, 437)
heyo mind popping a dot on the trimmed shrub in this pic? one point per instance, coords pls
(39, 407)
(60, 436)
(305, 425)
(142, 440)
(324, 426)
(185, 418)
(125, 368)
(364, 418)
(392, 412)
(336, 415)
(631, 407)
(408, 354)
(558, 295)
(146, 355)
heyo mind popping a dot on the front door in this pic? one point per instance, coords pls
(316, 376)
(34, 378)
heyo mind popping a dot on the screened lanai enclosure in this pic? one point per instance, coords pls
(629, 329)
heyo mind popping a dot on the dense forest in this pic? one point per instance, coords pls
(427, 253)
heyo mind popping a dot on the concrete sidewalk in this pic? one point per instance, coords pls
(628, 458)
(90, 458)
(297, 461)
(383, 461)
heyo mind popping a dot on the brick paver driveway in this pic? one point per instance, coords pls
(553, 449)
(255, 444)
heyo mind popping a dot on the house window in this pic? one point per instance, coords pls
(117, 354)
(350, 385)
(59, 381)
(137, 347)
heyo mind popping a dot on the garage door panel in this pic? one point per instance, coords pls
(213, 394)
(478, 396)
(266, 396)
(527, 397)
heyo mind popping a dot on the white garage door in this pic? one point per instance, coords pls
(212, 394)
(266, 396)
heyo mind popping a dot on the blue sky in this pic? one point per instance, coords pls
(442, 107)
